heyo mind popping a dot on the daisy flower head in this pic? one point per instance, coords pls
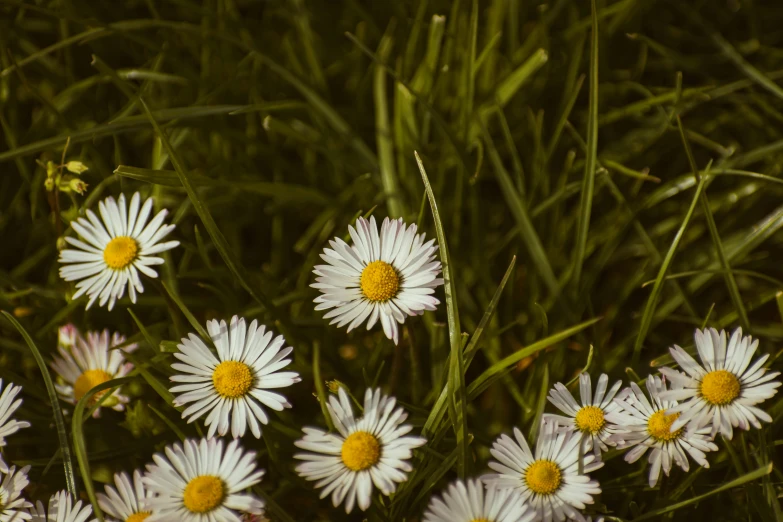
(373, 449)
(384, 276)
(8, 425)
(12, 505)
(725, 388)
(66, 335)
(234, 386)
(471, 502)
(88, 363)
(589, 417)
(549, 481)
(62, 509)
(199, 482)
(113, 250)
(647, 424)
(126, 503)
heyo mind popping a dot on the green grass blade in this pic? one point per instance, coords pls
(188, 314)
(731, 283)
(497, 369)
(59, 421)
(652, 301)
(588, 180)
(80, 448)
(456, 367)
(209, 223)
(319, 385)
(744, 479)
(167, 420)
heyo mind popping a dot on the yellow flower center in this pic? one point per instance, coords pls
(138, 517)
(543, 477)
(203, 494)
(720, 387)
(232, 379)
(361, 450)
(660, 426)
(120, 252)
(480, 520)
(379, 281)
(89, 380)
(590, 419)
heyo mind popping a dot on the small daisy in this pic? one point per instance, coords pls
(470, 502)
(590, 417)
(88, 363)
(115, 250)
(201, 482)
(68, 335)
(235, 385)
(550, 482)
(62, 509)
(11, 504)
(370, 450)
(9, 425)
(387, 276)
(648, 425)
(126, 503)
(723, 390)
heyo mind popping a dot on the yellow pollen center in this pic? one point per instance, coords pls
(120, 252)
(543, 477)
(232, 379)
(720, 387)
(379, 281)
(203, 494)
(89, 380)
(590, 419)
(138, 517)
(361, 450)
(659, 426)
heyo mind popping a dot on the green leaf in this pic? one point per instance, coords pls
(59, 421)
(456, 376)
(80, 448)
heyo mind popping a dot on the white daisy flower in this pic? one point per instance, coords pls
(202, 483)
(589, 418)
(471, 502)
(8, 425)
(725, 388)
(386, 276)
(235, 385)
(11, 503)
(68, 335)
(126, 503)
(88, 363)
(62, 509)
(550, 481)
(115, 250)
(648, 425)
(370, 450)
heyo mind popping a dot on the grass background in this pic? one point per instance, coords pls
(542, 140)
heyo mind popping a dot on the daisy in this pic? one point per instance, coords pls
(386, 276)
(200, 482)
(11, 504)
(725, 388)
(126, 503)
(62, 509)
(550, 481)
(589, 418)
(88, 363)
(648, 424)
(370, 450)
(470, 502)
(9, 425)
(68, 335)
(235, 385)
(115, 250)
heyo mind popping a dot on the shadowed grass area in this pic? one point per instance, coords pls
(601, 192)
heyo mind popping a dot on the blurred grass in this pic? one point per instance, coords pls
(272, 125)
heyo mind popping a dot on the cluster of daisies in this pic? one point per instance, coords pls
(231, 381)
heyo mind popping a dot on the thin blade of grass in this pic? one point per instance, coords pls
(456, 370)
(319, 385)
(59, 421)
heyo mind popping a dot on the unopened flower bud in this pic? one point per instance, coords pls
(77, 186)
(77, 167)
(49, 184)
